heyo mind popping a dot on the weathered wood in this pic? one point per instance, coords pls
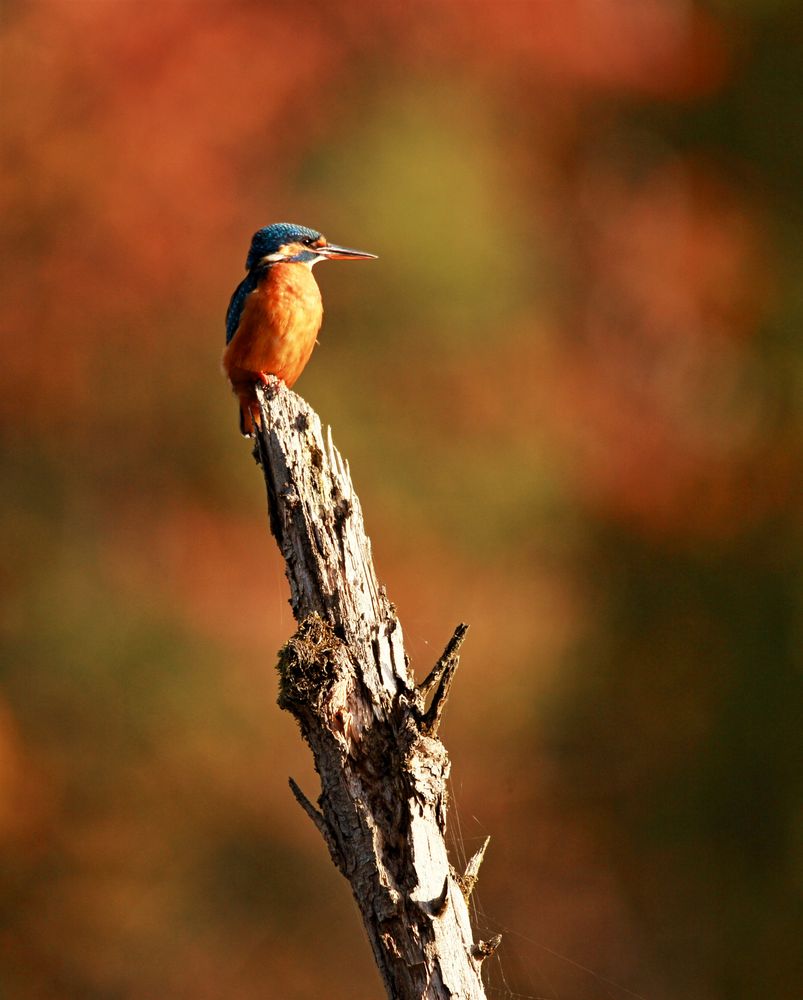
(469, 878)
(344, 676)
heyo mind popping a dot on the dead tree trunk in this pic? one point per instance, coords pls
(344, 676)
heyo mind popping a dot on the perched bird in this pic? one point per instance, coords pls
(275, 312)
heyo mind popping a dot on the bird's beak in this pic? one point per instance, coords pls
(333, 252)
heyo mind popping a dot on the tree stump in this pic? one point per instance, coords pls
(344, 676)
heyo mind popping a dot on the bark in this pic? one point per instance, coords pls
(344, 676)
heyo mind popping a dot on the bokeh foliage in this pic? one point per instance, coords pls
(570, 393)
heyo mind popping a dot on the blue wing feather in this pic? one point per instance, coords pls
(235, 310)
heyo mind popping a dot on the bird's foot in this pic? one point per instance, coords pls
(268, 380)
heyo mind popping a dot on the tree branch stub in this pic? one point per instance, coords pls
(344, 676)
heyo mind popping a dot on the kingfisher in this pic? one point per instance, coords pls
(275, 313)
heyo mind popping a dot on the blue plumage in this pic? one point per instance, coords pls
(235, 310)
(268, 240)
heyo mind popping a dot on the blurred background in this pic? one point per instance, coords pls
(570, 394)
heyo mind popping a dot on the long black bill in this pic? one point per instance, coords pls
(334, 252)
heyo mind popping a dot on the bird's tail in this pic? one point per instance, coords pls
(249, 414)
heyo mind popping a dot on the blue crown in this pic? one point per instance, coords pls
(267, 240)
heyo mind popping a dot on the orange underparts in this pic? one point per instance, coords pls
(276, 335)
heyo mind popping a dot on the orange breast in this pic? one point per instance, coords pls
(278, 327)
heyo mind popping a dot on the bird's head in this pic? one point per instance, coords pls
(284, 242)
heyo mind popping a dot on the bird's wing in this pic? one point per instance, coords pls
(235, 310)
